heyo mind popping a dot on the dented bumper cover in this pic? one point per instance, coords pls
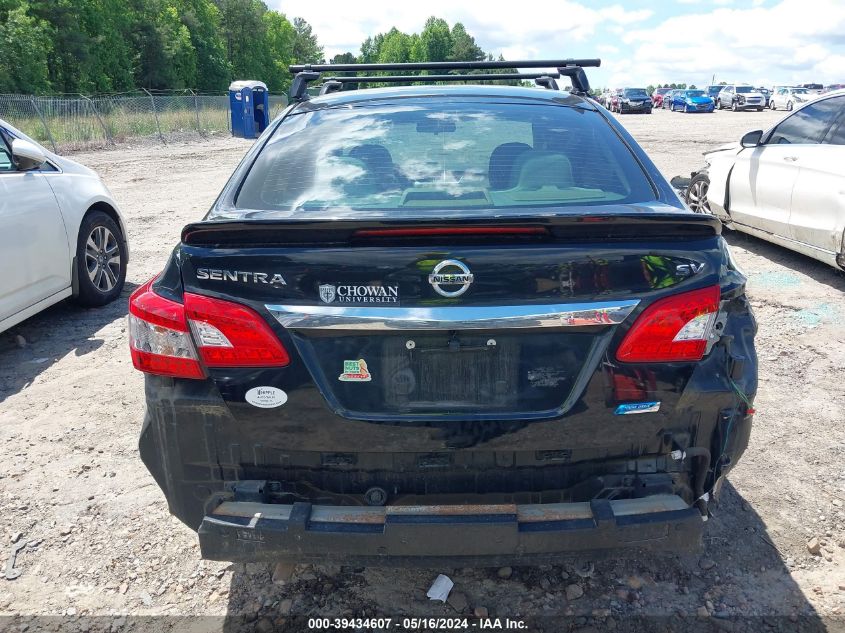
(480, 534)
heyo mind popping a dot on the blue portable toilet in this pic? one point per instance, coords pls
(249, 104)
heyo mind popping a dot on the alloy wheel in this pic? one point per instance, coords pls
(697, 196)
(102, 258)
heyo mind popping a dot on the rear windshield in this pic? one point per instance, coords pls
(419, 157)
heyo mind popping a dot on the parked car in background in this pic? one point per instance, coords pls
(630, 100)
(784, 185)
(813, 88)
(61, 232)
(833, 87)
(713, 91)
(667, 98)
(740, 97)
(657, 97)
(788, 98)
(690, 101)
(613, 99)
(767, 94)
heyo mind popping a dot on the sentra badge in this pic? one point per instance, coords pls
(451, 273)
(330, 293)
(355, 371)
(241, 276)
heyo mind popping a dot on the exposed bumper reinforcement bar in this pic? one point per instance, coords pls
(470, 534)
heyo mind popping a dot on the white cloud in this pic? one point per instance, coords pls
(562, 28)
(792, 41)
(785, 41)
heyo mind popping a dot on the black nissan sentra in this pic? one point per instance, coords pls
(463, 322)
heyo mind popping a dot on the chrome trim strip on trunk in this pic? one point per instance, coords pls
(304, 317)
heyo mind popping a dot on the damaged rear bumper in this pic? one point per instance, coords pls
(471, 534)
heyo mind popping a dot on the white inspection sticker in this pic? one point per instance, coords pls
(266, 397)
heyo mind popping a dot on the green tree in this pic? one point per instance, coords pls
(69, 63)
(435, 43)
(178, 50)
(244, 34)
(306, 48)
(395, 47)
(371, 49)
(344, 58)
(464, 47)
(202, 19)
(25, 48)
(650, 89)
(280, 40)
(692, 87)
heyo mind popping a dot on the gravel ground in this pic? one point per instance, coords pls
(101, 542)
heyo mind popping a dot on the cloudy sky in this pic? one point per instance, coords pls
(764, 42)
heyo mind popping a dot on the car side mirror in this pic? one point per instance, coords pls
(751, 139)
(28, 156)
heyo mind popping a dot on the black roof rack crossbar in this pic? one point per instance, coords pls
(572, 68)
(470, 65)
(426, 78)
(333, 84)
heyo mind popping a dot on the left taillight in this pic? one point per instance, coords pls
(225, 334)
(158, 336)
(232, 335)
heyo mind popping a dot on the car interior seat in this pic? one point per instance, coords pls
(500, 172)
(539, 169)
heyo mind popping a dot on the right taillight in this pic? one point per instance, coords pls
(675, 328)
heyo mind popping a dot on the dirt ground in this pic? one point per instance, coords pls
(100, 540)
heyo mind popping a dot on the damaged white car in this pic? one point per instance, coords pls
(785, 185)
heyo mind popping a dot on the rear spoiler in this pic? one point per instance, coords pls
(569, 228)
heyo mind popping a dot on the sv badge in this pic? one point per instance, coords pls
(687, 270)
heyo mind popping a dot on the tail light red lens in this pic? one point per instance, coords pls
(232, 335)
(225, 334)
(158, 336)
(672, 329)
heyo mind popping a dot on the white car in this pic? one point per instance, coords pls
(788, 98)
(740, 97)
(785, 185)
(61, 233)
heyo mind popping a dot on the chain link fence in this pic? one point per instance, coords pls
(76, 122)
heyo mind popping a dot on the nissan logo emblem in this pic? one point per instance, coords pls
(444, 274)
